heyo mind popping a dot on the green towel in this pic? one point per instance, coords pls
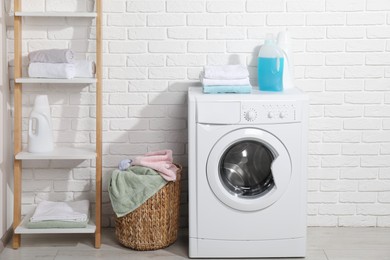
(57, 224)
(130, 188)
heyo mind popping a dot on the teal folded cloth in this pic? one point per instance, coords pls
(129, 189)
(241, 89)
(57, 224)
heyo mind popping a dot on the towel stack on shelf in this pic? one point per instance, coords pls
(226, 79)
(50, 214)
(58, 64)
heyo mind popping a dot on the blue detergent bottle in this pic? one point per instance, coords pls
(270, 65)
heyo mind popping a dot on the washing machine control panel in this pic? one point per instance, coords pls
(264, 112)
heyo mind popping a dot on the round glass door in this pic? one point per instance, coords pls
(248, 169)
(245, 169)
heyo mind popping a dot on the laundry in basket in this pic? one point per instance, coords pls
(146, 201)
(130, 188)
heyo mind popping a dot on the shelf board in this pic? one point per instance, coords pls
(23, 229)
(56, 81)
(59, 153)
(57, 14)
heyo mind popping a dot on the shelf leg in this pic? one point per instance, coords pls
(98, 236)
(16, 241)
(17, 122)
(98, 206)
(99, 103)
(17, 202)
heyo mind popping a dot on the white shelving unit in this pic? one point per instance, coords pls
(59, 153)
(23, 229)
(55, 81)
(57, 14)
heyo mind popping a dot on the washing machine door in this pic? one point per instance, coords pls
(248, 169)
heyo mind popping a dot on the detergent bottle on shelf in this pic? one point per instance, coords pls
(40, 135)
(288, 71)
(270, 66)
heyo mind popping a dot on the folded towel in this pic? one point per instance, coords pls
(131, 188)
(51, 70)
(227, 89)
(57, 224)
(77, 211)
(160, 161)
(52, 56)
(238, 71)
(224, 82)
(84, 69)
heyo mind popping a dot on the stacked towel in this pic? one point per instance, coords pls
(84, 69)
(51, 70)
(58, 64)
(50, 214)
(226, 79)
(52, 56)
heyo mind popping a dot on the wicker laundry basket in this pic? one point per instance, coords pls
(155, 224)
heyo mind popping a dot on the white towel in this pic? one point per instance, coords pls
(52, 56)
(76, 211)
(84, 69)
(51, 70)
(224, 82)
(238, 71)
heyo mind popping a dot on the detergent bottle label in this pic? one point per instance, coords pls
(270, 73)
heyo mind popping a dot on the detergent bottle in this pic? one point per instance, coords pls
(270, 66)
(40, 135)
(288, 71)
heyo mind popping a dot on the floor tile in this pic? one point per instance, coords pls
(348, 238)
(323, 244)
(110, 254)
(28, 253)
(373, 254)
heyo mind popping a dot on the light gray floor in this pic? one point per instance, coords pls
(323, 244)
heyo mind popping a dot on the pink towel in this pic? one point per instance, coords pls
(160, 161)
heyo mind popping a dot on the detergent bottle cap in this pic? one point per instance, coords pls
(270, 49)
(283, 40)
(269, 39)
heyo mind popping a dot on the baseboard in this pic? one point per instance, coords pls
(6, 238)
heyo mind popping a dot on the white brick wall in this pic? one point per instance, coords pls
(154, 50)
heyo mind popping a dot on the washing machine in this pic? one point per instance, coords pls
(247, 174)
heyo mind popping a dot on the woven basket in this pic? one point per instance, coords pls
(155, 224)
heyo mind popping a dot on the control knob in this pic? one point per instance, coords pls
(250, 115)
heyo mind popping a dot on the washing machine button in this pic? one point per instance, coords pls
(271, 114)
(283, 114)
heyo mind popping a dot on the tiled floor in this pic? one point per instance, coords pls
(323, 244)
